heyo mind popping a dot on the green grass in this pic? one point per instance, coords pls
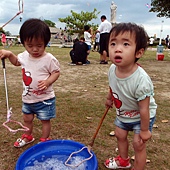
(81, 93)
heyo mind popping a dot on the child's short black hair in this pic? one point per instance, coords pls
(141, 36)
(35, 28)
(86, 28)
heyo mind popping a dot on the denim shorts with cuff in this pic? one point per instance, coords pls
(44, 110)
(134, 126)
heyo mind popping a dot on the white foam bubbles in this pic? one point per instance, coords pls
(55, 163)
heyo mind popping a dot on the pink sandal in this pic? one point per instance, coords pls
(123, 163)
(20, 142)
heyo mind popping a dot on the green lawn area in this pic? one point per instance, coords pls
(81, 93)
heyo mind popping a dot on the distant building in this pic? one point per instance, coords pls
(55, 30)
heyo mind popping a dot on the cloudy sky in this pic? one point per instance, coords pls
(127, 11)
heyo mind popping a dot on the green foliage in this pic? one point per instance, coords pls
(1, 30)
(76, 21)
(49, 23)
(161, 7)
(7, 33)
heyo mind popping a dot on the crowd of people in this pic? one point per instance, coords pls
(100, 38)
(8, 41)
(166, 42)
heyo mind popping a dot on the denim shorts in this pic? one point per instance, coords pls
(134, 126)
(44, 110)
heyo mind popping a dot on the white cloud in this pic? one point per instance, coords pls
(50, 11)
(129, 10)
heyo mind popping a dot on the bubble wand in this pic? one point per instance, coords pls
(9, 110)
(89, 147)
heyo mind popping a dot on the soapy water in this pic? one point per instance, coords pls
(55, 163)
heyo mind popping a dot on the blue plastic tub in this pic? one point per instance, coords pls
(54, 148)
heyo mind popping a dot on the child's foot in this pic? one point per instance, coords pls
(44, 140)
(118, 162)
(24, 140)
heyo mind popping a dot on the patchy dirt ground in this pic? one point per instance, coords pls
(81, 92)
(160, 75)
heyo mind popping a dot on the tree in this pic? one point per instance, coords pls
(76, 22)
(7, 33)
(3, 31)
(49, 23)
(161, 7)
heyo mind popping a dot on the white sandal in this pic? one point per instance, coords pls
(20, 142)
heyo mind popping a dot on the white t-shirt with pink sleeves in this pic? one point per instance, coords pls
(34, 70)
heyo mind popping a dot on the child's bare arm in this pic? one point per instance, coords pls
(44, 84)
(109, 101)
(145, 134)
(12, 57)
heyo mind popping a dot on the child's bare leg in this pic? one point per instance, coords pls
(28, 122)
(122, 140)
(140, 153)
(27, 137)
(122, 160)
(46, 128)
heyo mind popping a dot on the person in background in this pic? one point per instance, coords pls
(39, 71)
(167, 41)
(18, 41)
(72, 56)
(87, 37)
(97, 41)
(104, 29)
(132, 93)
(9, 42)
(79, 52)
(3, 40)
(151, 40)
